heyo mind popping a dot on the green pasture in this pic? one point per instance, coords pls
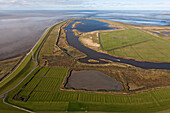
(8, 109)
(139, 45)
(47, 94)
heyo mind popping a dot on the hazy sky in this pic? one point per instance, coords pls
(85, 4)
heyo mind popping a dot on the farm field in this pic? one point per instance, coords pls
(43, 90)
(136, 44)
(44, 81)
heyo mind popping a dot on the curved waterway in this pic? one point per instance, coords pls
(93, 25)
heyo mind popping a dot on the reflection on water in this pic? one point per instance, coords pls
(92, 25)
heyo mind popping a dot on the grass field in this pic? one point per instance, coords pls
(45, 92)
(7, 109)
(43, 83)
(136, 44)
(154, 50)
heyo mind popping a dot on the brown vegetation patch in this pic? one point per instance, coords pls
(7, 66)
(63, 45)
(134, 87)
(64, 61)
(93, 61)
(76, 32)
(109, 61)
(156, 30)
(62, 54)
(90, 42)
(74, 25)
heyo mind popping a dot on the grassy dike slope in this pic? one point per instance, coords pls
(8, 109)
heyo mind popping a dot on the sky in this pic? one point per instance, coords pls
(84, 4)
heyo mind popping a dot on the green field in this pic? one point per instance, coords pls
(18, 75)
(46, 93)
(44, 81)
(136, 44)
(8, 109)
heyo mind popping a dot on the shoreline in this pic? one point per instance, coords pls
(15, 56)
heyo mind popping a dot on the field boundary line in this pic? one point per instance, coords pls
(123, 80)
(100, 41)
(136, 52)
(124, 52)
(38, 83)
(157, 49)
(129, 45)
(123, 103)
(164, 100)
(155, 100)
(48, 77)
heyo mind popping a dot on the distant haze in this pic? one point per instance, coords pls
(85, 4)
(20, 30)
